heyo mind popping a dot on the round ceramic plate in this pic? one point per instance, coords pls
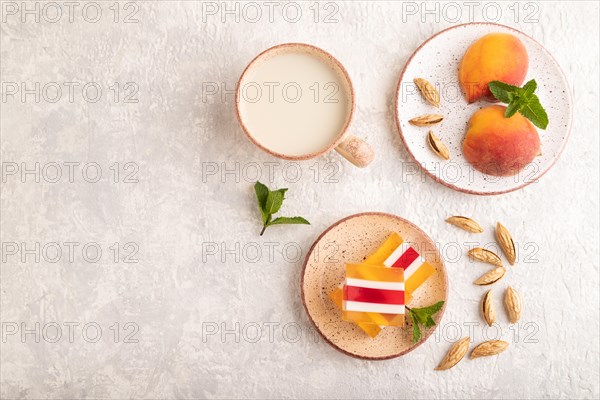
(351, 240)
(437, 61)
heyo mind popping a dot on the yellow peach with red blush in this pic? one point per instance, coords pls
(493, 57)
(497, 145)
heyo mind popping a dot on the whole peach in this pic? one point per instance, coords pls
(500, 146)
(493, 57)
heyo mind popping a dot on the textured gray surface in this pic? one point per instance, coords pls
(231, 324)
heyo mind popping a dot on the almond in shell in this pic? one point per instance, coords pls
(506, 242)
(489, 348)
(490, 277)
(465, 223)
(484, 255)
(488, 308)
(427, 120)
(513, 304)
(437, 146)
(454, 355)
(428, 91)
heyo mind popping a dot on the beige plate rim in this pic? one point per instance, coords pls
(424, 338)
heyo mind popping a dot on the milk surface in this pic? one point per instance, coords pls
(294, 103)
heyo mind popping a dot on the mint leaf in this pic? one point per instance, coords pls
(289, 220)
(420, 315)
(512, 109)
(502, 91)
(429, 323)
(261, 196)
(432, 309)
(423, 316)
(529, 88)
(416, 331)
(282, 191)
(522, 100)
(269, 203)
(274, 201)
(534, 112)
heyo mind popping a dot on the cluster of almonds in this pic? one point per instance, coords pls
(432, 96)
(512, 300)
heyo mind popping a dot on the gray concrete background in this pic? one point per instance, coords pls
(150, 280)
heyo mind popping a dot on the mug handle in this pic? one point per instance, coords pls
(356, 150)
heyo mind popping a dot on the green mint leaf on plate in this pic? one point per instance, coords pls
(522, 100)
(502, 91)
(416, 330)
(429, 322)
(512, 109)
(534, 112)
(432, 309)
(529, 87)
(423, 316)
(420, 315)
(269, 203)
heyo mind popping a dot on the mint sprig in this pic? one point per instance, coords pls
(269, 203)
(423, 316)
(522, 100)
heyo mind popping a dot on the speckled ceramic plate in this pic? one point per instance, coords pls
(437, 60)
(351, 240)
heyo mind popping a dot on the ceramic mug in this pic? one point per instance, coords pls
(296, 101)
